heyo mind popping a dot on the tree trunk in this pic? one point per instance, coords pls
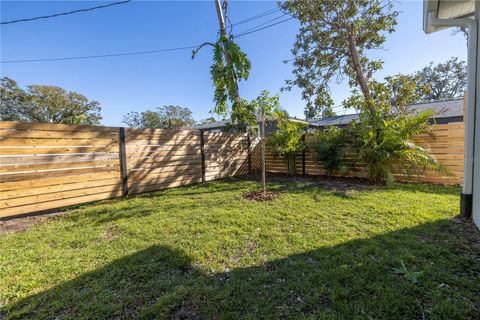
(262, 134)
(357, 66)
(223, 33)
(291, 165)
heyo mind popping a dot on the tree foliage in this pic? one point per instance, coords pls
(266, 106)
(287, 140)
(12, 98)
(46, 104)
(207, 121)
(166, 117)
(332, 43)
(230, 66)
(445, 80)
(323, 110)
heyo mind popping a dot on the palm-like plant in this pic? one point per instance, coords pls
(383, 136)
(330, 147)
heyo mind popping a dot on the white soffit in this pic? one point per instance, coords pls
(446, 9)
(455, 9)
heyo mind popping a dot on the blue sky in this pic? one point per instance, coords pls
(123, 84)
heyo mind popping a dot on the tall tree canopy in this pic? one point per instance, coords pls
(46, 104)
(166, 117)
(332, 43)
(208, 120)
(445, 80)
(11, 100)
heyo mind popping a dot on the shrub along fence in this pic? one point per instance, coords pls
(47, 166)
(446, 144)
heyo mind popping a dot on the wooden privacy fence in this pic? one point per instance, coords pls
(47, 166)
(446, 145)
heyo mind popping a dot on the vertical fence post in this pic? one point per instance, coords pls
(202, 150)
(303, 155)
(249, 146)
(122, 155)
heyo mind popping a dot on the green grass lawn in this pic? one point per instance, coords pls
(203, 252)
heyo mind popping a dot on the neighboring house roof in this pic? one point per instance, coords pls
(443, 109)
(224, 123)
(451, 108)
(213, 125)
(334, 121)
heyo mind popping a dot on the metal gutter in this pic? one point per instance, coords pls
(471, 26)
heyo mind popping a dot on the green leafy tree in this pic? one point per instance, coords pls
(287, 141)
(174, 117)
(12, 98)
(445, 80)
(332, 43)
(322, 110)
(265, 107)
(47, 104)
(383, 136)
(166, 117)
(56, 105)
(330, 148)
(145, 119)
(206, 121)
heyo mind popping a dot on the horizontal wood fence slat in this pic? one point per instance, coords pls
(12, 125)
(47, 166)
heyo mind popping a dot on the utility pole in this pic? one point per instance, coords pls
(221, 18)
(236, 96)
(223, 33)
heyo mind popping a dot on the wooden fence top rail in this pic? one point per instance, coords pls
(53, 127)
(160, 131)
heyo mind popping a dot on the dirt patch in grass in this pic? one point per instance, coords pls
(330, 182)
(261, 196)
(467, 229)
(185, 312)
(345, 187)
(22, 223)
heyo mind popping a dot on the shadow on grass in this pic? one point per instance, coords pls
(351, 280)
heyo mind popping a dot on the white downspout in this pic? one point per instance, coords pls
(471, 25)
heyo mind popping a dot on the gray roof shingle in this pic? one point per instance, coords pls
(213, 125)
(443, 109)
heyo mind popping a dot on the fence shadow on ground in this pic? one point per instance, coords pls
(350, 280)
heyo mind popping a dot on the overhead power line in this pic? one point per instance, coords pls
(65, 13)
(133, 53)
(263, 28)
(264, 23)
(101, 55)
(257, 16)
